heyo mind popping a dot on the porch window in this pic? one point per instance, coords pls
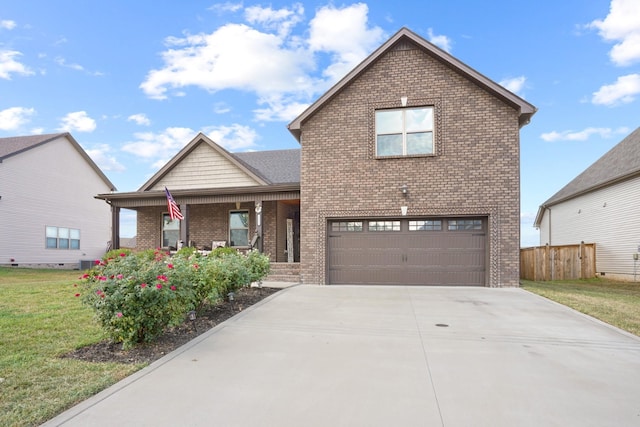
(170, 231)
(239, 228)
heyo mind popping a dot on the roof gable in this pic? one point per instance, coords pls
(203, 164)
(525, 109)
(619, 163)
(18, 145)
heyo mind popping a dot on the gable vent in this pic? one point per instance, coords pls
(405, 45)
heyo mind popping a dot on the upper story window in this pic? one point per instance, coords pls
(404, 132)
(62, 238)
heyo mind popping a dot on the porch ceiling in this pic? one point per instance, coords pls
(136, 199)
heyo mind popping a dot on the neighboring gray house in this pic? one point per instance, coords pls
(601, 206)
(49, 216)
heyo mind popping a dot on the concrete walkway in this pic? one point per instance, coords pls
(386, 356)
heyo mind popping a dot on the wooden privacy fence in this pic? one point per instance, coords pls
(558, 262)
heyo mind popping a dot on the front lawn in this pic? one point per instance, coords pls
(40, 319)
(616, 303)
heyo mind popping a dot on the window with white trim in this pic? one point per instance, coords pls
(170, 231)
(239, 228)
(62, 238)
(405, 132)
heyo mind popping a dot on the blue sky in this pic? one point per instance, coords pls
(134, 81)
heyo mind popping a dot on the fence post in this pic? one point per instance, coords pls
(547, 265)
(581, 255)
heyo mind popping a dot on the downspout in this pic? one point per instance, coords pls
(549, 237)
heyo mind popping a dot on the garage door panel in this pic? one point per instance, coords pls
(440, 257)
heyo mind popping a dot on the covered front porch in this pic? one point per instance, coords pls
(266, 218)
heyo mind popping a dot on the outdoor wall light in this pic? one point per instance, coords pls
(403, 100)
(404, 189)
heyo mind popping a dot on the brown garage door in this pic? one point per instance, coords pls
(429, 251)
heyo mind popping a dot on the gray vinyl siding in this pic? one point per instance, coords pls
(51, 185)
(609, 217)
(204, 168)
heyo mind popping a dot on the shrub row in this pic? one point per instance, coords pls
(136, 296)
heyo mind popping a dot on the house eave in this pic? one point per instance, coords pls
(203, 195)
(549, 203)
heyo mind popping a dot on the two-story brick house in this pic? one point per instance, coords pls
(409, 174)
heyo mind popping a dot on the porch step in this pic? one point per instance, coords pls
(284, 272)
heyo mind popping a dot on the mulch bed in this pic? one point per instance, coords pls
(107, 351)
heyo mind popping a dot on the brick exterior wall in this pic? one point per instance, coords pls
(207, 223)
(475, 170)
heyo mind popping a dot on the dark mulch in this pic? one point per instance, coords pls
(107, 351)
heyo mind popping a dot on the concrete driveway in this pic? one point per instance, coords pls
(386, 356)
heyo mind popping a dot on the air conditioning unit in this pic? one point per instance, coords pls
(86, 264)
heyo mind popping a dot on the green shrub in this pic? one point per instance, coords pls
(223, 251)
(258, 266)
(136, 296)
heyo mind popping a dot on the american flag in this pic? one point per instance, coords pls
(174, 209)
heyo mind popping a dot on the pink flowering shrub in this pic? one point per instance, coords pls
(136, 296)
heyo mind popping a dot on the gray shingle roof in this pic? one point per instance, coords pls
(276, 166)
(621, 162)
(17, 144)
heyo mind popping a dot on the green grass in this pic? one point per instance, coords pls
(40, 319)
(616, 303)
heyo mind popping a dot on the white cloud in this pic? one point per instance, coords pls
(226, 7)
(515, 84)
(159, 146)
(14, 117)
(221, 108)
(233, 57)
(624, 91)
(7, 24)
(63, 63)
(8, 64)
(621, 25)
(263, 57)
(279, 109)
(281, 20)
(343, 33)
(583, 135)
(77, 121)
(443, 42)
(101, 155)
(140, 119)
(235, 137)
